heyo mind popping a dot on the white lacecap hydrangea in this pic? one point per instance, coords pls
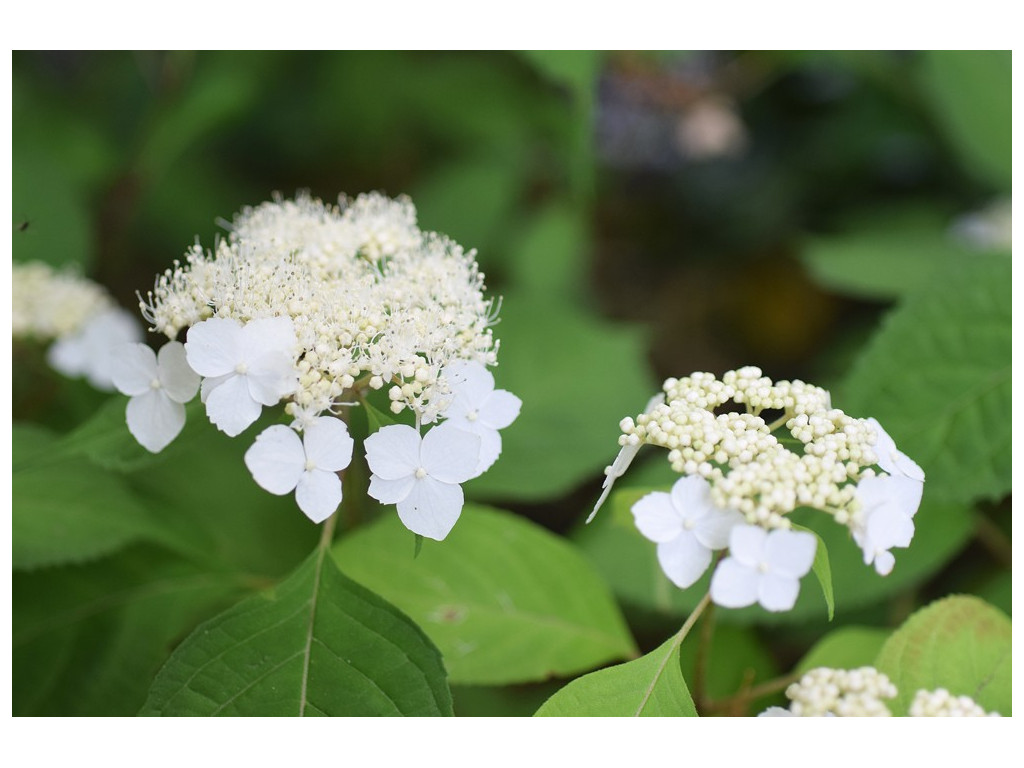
(77, 315)
(761, 450)
(314, 305)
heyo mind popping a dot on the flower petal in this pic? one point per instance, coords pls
(790, 553)
(617, 468)
(267, 334)
(657, 518)
(154, 419)
(431, 508)
(490, 449)
(884, 562)
(500, 409)
(211, 384)
(318, 494)
(890, 458)
(692, 497)
(450, 454)
(214, 347)
(470, 383)
(734, 585)
(230, 406)
(713, 531)
(276, 460)
(391, 491)
(777, 592)
(684, 559)
(747, 543)
(328, 444)
(179, 381)
(271, 377)
(134, 368)
(393, 451)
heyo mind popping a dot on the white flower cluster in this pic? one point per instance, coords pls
(78, 315)
(744, 475)
(368, 293)
(825, 692)
(315, 305)
(941, 703)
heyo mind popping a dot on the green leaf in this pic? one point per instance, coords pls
(844, 648)
(318, 644)
(884, 254)
(937, 378)
(651, 686)
(71, 512)
(735, 660)
(577, 376)
(88, 639)
(561, 230)
(822, 570)
(105, 440)
(959, 643)
(971, 96)
(503, 599)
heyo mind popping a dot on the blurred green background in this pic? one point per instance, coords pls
(642, 214)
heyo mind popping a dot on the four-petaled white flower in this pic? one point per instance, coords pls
(422, 475)
(763, 567)
(90, 351)
(891, 459)
(244, 367)
(887, 505)
(158, 384)
(477, 407)
(281, 462)
(687, 526)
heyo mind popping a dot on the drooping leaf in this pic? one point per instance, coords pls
(937, 378)
(317, 644)
(822, 570)
(577, 376)
(72, 511)
(651, 686)
(884, 254)
(845, 648)
(971, 96)
(503, 599)
(88, 639)
(960, 643)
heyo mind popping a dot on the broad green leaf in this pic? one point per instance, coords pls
(884, 254)
(317, 644)
(88, 639)
(937, 378)
(549, 257)
(971, 95)
(651, 686)
(959, 643)
(503, 599)
(105, 440)
(845, 648)
(577, 376)
(72, 511)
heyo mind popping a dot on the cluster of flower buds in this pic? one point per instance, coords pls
(826, 692)
(315, 305)
(751, 451)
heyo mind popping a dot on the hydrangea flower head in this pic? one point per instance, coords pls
(765, 449)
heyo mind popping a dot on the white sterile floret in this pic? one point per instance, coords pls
(825, 692)
(89, 351)
(687, 527)
(477, 407)
(158, 385)
(281, 462)
(763, 567)
(941, 703)
(891, 459)
(422, 476)
(244, 367)
(885, 517)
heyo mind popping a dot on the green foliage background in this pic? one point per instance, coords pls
(821, 248)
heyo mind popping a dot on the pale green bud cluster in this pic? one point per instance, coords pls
(841, 693)
(941, 703)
